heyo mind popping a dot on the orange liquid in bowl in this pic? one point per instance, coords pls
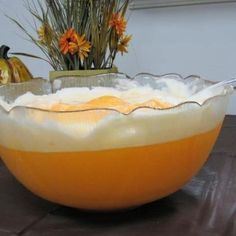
(111, 179)
(110, 102)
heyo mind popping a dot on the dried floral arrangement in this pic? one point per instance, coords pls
(79, 34)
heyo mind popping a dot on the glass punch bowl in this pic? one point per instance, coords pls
(104, 159)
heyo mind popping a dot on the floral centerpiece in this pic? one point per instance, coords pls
(79, 34)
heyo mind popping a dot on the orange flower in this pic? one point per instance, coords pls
(119, 23)
(124, 43)
(68, 37)
(73, 43)
(81, 46)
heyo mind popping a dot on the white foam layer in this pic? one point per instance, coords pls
(34, 130)
(174, 92)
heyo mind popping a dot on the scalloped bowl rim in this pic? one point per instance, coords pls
(229, 90)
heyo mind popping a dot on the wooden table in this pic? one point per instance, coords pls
(206, 206)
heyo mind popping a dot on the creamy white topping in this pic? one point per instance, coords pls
(34, 130)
